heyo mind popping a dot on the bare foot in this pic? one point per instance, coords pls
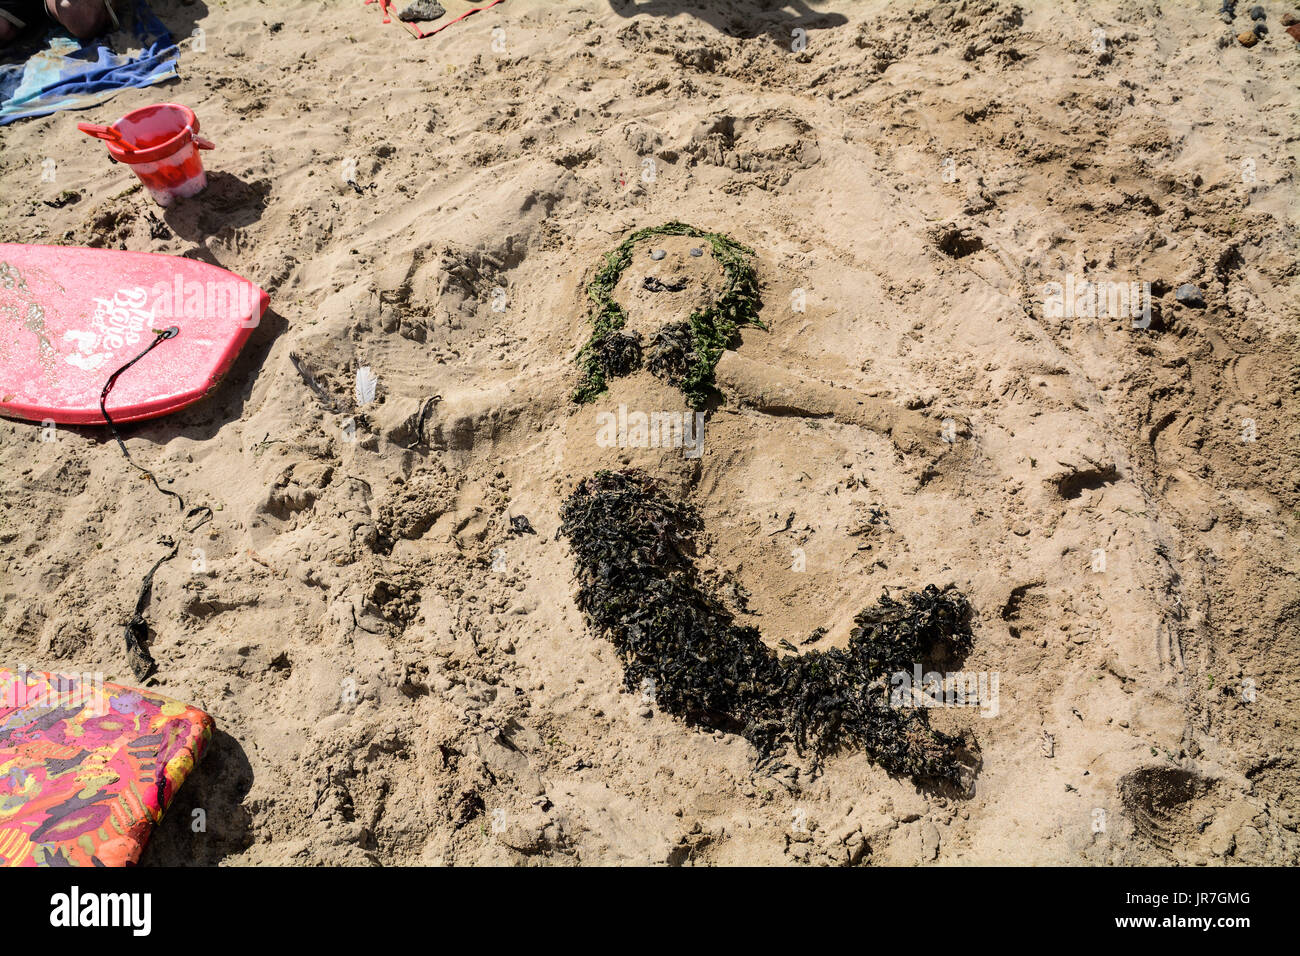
(84, 19)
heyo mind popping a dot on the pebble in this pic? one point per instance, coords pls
(1257, 13)
(657, 254)
(1187, 293)
(1260, 29)
(697, 252)
(1288, 19)
(929, 842)
(422, 10)
(1294, 30)
(1247, 39)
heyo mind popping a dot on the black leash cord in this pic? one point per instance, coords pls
(165, 334)
(137, 629)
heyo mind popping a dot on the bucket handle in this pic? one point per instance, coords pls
(198, 141)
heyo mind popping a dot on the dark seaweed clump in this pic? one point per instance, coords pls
(619, 353)
(638, 585)
(671, 349)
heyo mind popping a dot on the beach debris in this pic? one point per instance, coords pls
(713, 327)
(136, 632)
(309, 379)
(421, 10)
(1189, 295)
(63, 199)
(519, 524)
(639, 586)
(367, 382)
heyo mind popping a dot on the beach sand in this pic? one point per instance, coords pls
(396, 677)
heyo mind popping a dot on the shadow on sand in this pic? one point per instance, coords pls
(227, 203)
(217, 787)
(225, 403)
(743, 19)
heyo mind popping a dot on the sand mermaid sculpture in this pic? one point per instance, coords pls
(634, 542)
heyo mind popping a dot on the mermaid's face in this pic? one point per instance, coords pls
(669, 278)
(668, 299)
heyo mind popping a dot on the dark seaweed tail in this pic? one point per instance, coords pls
(638, 585)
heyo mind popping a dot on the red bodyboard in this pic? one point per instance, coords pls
(70, 317)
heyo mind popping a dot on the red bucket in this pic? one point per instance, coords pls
(161, 144)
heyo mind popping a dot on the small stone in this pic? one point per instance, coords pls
(1294, 30)
(1260, 29)
(1257, 13)
(419, 10)
(1247, 39)
(697, 252)
(422, 10)
(1207, 521)
(856, 851)
(1289, 19)
(1187, 293)
(1020, 529)
(929, 842)
(1226, 16)
(657, 254)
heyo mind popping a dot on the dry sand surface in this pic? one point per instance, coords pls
(398, 678)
